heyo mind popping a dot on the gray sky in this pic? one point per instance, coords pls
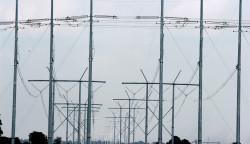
(119, 54)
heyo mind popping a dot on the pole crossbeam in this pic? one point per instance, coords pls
(85, 110)
(75, 104)
(118, 117)
(127, 99)
(126, 108)
(152, 83)
(137, 99)
(81, 107)
(71, 81)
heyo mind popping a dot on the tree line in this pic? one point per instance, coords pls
(34, 138)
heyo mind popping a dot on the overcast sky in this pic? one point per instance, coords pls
(119, 54)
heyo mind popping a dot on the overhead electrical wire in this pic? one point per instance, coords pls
(183, 91)
(223, 118)
(5, 29)
(247, 41)
(154, 78)
(6, 40)
(210, 96)
(177, 22)
(194, 100)
(25, 85)
(152, 87)
(134, 93)
(179, 48)
(71, 48)
(222, 86)
(217, 51)
(225, 65)
(26, 115)
(44, 107)
(189, 81)
(33, 47)
(5, 90)
(41, 97)
(214, 46)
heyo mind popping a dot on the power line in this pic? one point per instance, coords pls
(24, 84)
(171, 22)
(33, 47)
(223, 118)
(222, 86)
(6, 40)
(71, 48)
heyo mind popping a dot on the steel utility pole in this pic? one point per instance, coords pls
(79, 114)
(173, 101)
(53, 110)
(79, 109)
(85, 119)
(67, 123)
(51, 69)
(134, 126)
(125, 131)
(114, 129)
(239, 76)
(120, 124)
(84, 134)
(129, 115)
(74, 116)
(90, 74)
(146, 121)
(13, 130)
(200, 77)
(161, 74)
